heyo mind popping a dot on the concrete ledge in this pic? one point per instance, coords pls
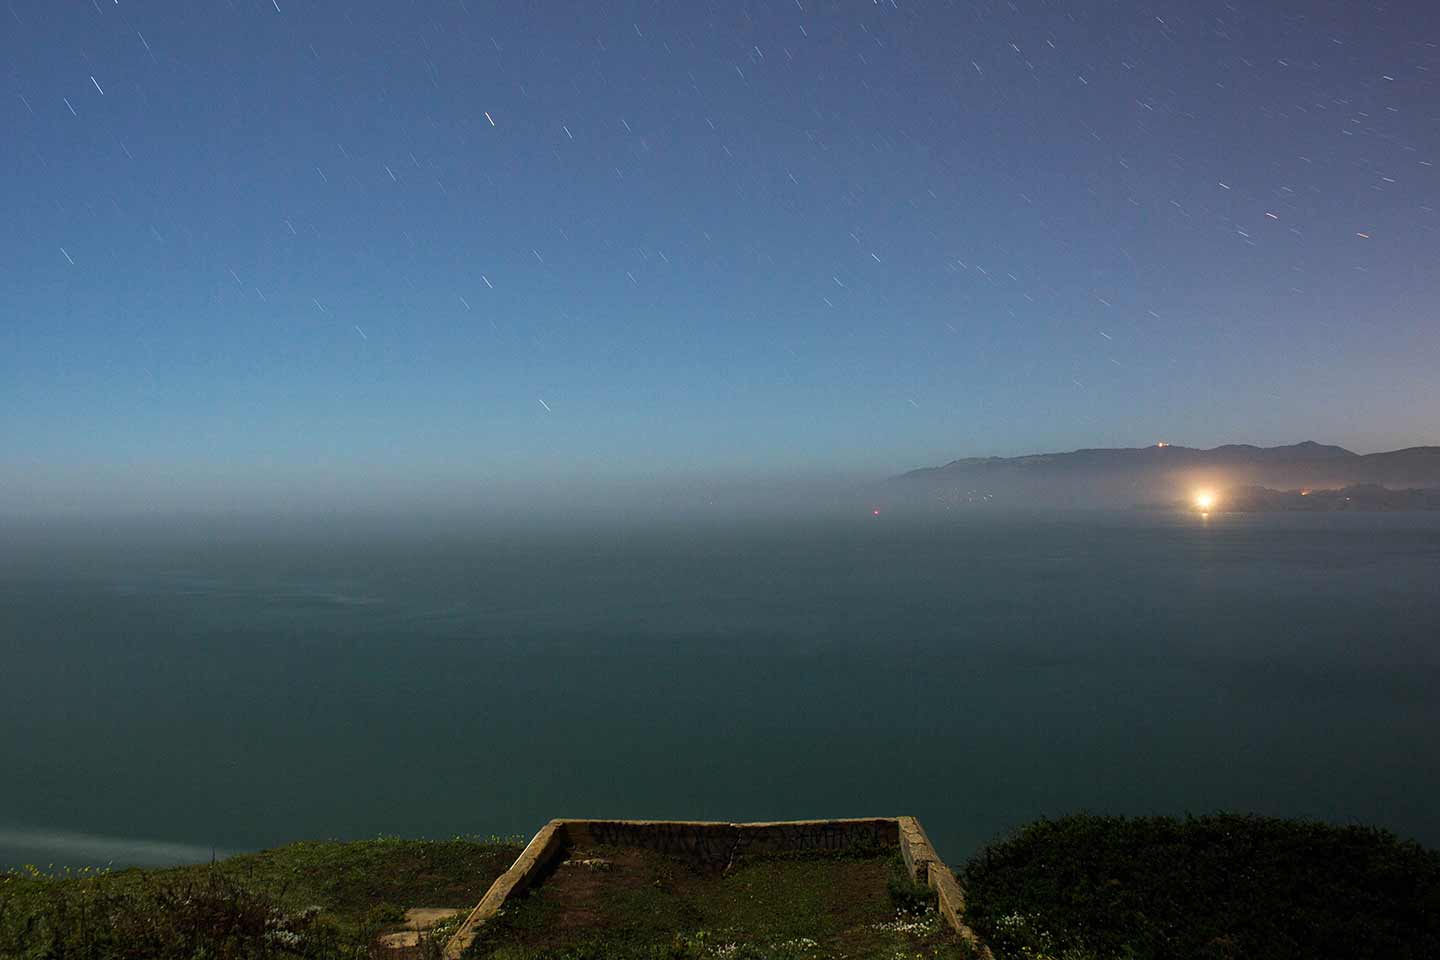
(714, 844)
(702, 843)
(539, 854)
(926, 867)
(915, 849)
(828, 835)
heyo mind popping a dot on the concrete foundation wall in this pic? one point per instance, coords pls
(541, 853)
(926, 867)
(715, 845)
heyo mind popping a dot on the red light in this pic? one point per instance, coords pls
(875, 512)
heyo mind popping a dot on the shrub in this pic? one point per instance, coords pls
(208, 915)
(1214, 887)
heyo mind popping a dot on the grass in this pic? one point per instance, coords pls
(1211, 888)
(313, 900)
(790, 907)
(1077, 888)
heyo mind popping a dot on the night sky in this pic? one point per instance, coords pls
(275, 248)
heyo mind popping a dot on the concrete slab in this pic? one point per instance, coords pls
(417, 920)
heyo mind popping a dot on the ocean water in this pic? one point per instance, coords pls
(163, 696)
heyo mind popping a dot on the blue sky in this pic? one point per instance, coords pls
(264, 244)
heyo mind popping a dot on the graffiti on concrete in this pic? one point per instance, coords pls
(709, 845)
(831, 836)
(715, 845)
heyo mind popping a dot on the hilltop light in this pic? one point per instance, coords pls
(1204, 500)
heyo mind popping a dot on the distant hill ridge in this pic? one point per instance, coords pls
(1141, 474)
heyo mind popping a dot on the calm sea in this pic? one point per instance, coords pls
(165, 696)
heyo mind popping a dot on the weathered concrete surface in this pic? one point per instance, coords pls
(916, 849)
(700, 842)
(926, 867)
(423, 918)
(417, 921)
(404, 940)
(827, 835)
(951, 901)
(716, 844)
(593, 863)
(542, 851)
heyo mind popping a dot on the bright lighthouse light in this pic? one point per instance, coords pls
(1204, 500)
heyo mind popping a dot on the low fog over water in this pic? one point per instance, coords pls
(230, 685)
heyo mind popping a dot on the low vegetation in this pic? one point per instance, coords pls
(1209, 888)
(636, 905)
(1077, 888)
(318, 900)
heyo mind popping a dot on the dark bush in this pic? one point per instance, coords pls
(208, 915)
(1213, 887)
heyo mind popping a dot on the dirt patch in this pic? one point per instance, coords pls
(403, 944)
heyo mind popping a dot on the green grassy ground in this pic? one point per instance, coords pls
(1209, 888)
(1077, 888)
(315, 899)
